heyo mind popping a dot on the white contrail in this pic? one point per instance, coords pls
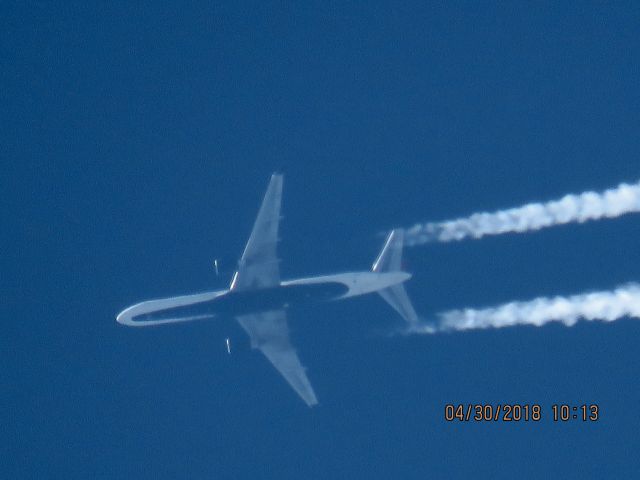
(533, 216)
(606, 306)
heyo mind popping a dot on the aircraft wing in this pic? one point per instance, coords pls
(258, 267)
(269, 332)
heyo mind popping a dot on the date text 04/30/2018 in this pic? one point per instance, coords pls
(516, 412)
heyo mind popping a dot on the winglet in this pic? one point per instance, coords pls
(389, 260)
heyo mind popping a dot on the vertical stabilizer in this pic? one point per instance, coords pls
(390, 260)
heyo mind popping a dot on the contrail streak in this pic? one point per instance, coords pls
(533, 216)
(606, 306)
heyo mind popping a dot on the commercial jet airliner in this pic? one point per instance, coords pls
(258, 299)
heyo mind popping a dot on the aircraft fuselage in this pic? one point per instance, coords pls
(232, 302)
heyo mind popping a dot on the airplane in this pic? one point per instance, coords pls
(258, 298)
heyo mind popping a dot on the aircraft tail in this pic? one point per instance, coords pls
(390, 260)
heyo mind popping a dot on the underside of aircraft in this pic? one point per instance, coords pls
(258, 298)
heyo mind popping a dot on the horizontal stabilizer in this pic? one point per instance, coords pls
(391, 255)
(390, 260)
(396, 296)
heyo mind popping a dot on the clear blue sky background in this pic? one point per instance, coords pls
(136, 143)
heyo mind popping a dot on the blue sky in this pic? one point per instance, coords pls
(136, 144)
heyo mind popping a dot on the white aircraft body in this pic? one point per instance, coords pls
(258, 298)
